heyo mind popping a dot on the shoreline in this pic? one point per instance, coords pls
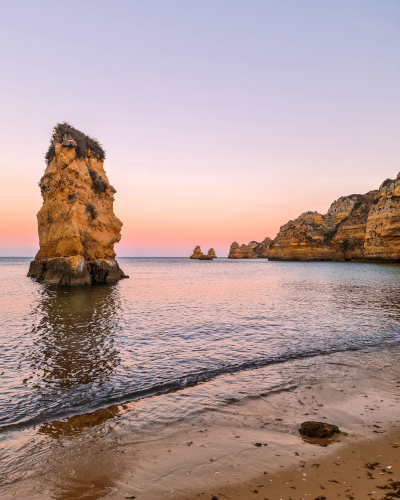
(214, 451)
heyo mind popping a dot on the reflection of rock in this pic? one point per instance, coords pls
(196, 253)
(74, 425)
(337, 235)
(77, 225)
(211, 253)
(253, 250)
(73, 355)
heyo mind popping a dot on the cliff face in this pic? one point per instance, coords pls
(363, 228)
(77, 226)
(337, 235)
(382, 242)
(253, 250)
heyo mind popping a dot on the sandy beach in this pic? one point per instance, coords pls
(246, 449)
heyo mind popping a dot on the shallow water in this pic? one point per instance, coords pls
(175, 323)
(200, 335)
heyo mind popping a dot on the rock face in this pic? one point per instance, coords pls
(196, 253)
(382, 241)
(262, 249)
(338, 235)
(77, 226)
(211, 253)
(243, 251)
(253, 250)
(359, 227)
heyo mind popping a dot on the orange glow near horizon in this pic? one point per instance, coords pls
(221, 121)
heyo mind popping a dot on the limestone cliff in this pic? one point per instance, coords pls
(253, 250)
(364, 228)
(337, 235)
(382, 242)
(77, 226)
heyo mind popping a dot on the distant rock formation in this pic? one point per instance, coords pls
(338, 235)
(359, 227)
(382, 241)
(253, 250)
(262, 249)
(243, 251)
(77, 226)
(196, 253)
(205, 257)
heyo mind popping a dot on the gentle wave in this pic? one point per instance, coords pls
(189, 380)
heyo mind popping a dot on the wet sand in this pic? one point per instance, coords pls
(248, 448)
(360, 470)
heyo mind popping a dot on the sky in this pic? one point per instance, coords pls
(221, 119)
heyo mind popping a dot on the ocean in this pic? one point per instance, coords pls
(225, 328)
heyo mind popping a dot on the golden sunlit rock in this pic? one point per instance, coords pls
(196, 253)
(77, 226)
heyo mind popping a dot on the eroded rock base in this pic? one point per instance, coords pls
(75, 271)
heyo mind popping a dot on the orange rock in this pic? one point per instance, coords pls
(253, 250)
(338, 235)
(211, 253)
(382, 242)
(196, 253)
(77, 226)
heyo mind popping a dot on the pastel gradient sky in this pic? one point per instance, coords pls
(221, 119)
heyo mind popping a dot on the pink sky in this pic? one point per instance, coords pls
(221, 121)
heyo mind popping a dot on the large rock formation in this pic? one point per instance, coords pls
(77, 226)
(382, 241)
(337, 235)
(211, 253)
(243, 251)
(253, 250)
(364, 228)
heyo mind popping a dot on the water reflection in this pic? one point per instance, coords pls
(71, 426)
(73, 353)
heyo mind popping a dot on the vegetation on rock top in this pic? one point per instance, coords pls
(84, 143)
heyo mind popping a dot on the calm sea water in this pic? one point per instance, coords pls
(177, 323)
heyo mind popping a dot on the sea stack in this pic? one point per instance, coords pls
(196, 253)
(211, 253)
(76, 224)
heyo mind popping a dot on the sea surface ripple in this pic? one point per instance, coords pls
(177, 323)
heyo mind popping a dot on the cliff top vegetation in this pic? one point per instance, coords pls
(83, 142)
